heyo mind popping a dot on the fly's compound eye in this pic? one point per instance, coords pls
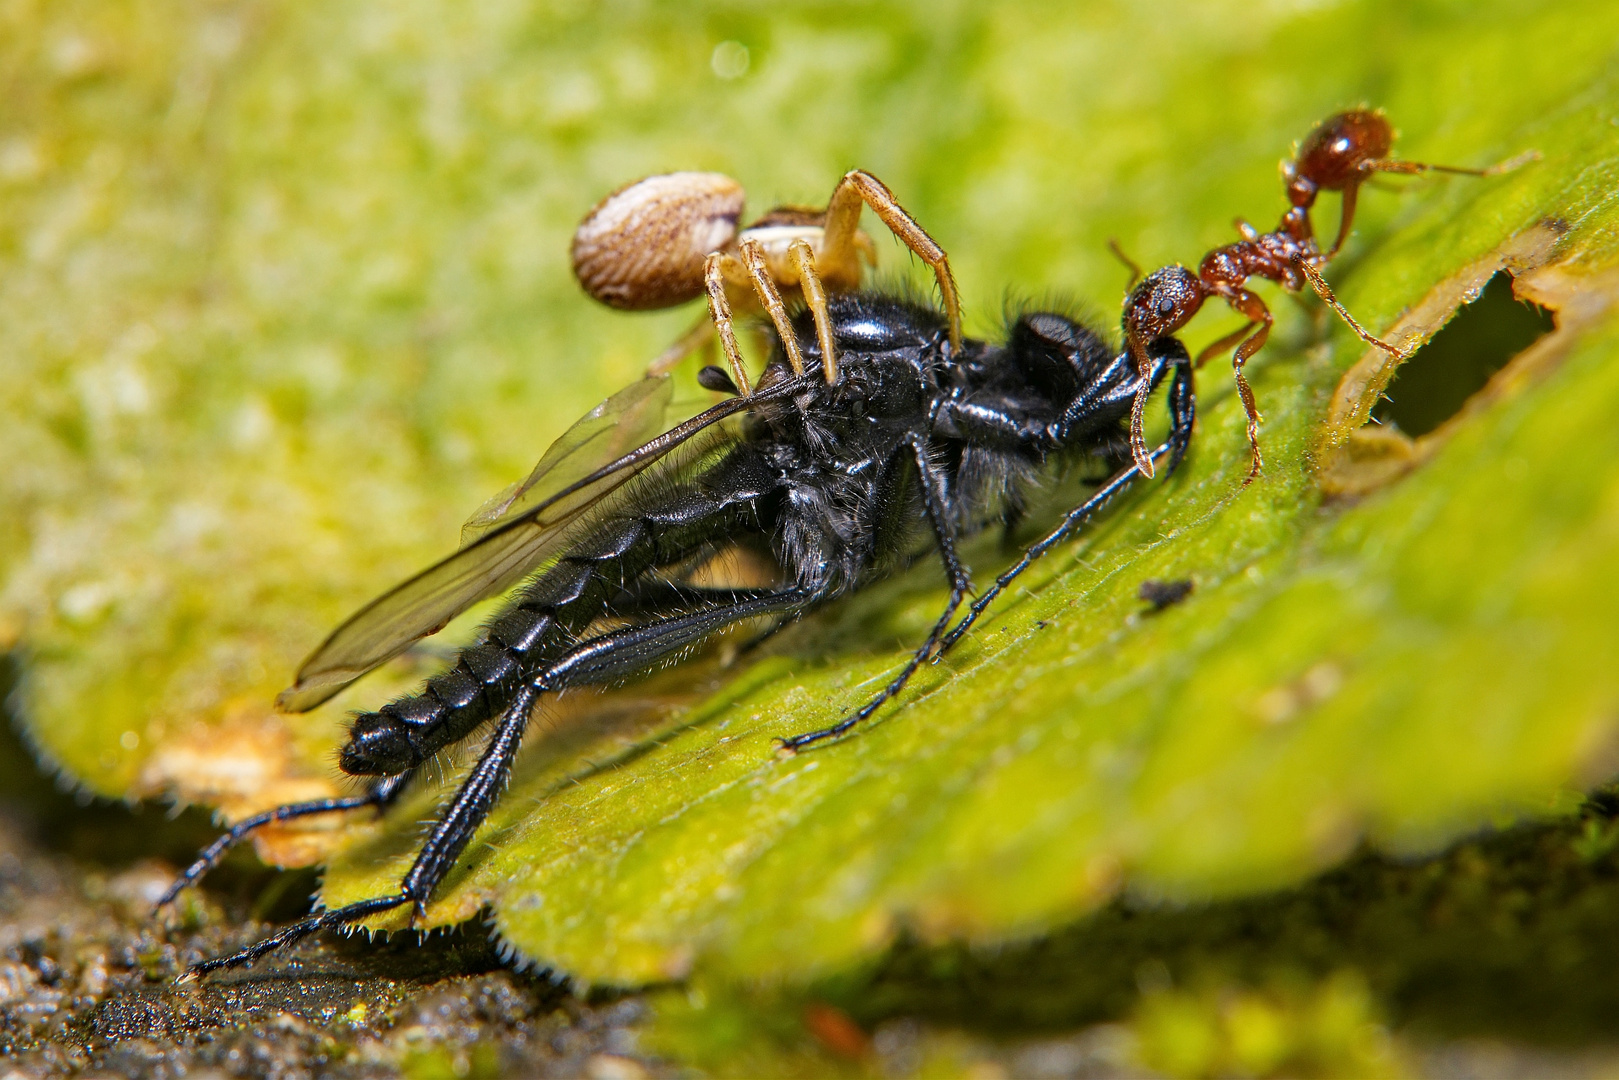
(1054, 331)
(643, 246)
(1055, 352)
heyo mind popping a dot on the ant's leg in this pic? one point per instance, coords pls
(933, 500)
(719, 311)
(1409, 168)
(1209, 352)
(382, 795)
(843, 221)
(1138, 438)
(1345, 217)
(1323, 290)
(1129, 263)
(1249, 304)
(764, 286)
(689, 342)
(809, 281)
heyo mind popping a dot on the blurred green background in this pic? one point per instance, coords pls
(284, 296)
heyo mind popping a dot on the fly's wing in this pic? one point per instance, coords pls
(606, 433)
(511, 536)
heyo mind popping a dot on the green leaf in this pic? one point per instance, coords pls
(290, 292)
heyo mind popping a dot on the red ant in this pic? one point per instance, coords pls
(1338, 155)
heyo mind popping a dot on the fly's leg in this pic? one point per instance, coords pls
(450, 834)
(606, 658)
(934, 500)
(809, 281)
(859, 188)
(381, 795)
(1182, 410)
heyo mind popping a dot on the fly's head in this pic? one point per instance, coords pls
(1056, 356)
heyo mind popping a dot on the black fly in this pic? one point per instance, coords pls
(875, 431)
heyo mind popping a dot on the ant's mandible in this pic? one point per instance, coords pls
(1339, 155)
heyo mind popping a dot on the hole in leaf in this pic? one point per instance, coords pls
(1434, 384)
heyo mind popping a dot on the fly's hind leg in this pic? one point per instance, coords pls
(603, 659)
(859, 188)
(381, 795)
(455, 826)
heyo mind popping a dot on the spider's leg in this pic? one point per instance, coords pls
(859, 188)
(691, 341)
(719, 311)
(809, 280)
(764, 286)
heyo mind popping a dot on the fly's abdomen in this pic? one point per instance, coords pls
(551, 614)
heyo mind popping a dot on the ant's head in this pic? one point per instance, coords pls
(1159, 306)
(377, 746)
(1332, 157)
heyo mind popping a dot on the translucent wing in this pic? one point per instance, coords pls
(606, 433)
(511, 535)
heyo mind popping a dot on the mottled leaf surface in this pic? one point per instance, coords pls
(286, 294)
